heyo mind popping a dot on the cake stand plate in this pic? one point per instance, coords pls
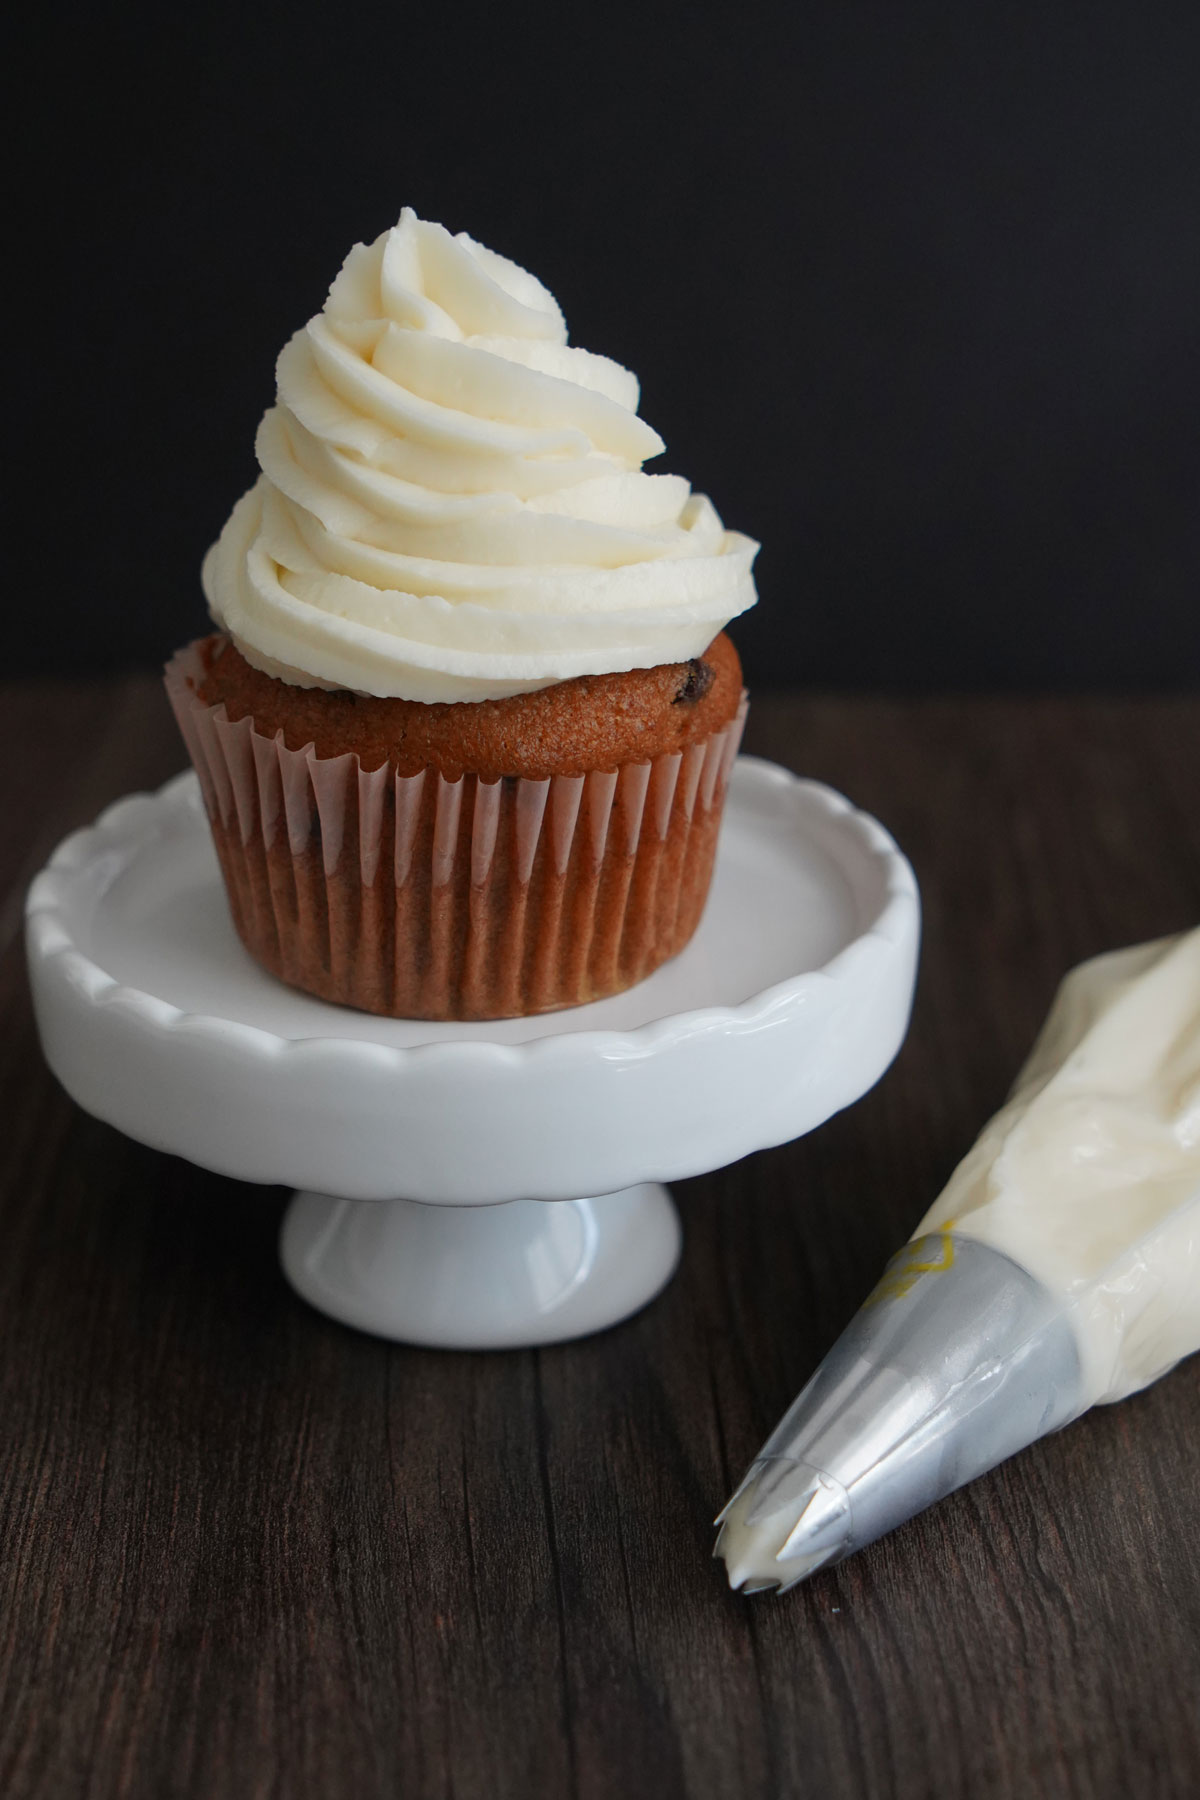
(788, 1004)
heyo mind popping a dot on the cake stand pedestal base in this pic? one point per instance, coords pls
(481, 1277)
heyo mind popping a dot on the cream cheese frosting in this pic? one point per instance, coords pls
(1090, 1175)
(452, 504)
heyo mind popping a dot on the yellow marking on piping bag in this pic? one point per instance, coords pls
(907, 1266)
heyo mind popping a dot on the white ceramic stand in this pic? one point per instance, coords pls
(788, 1004)
(531, 1272)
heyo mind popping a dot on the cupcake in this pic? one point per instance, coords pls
(465, 725)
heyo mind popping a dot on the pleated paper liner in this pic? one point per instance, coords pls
(419, 897)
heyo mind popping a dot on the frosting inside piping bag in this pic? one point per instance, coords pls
(1089, 1176)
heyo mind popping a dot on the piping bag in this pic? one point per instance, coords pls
(1059, 1268)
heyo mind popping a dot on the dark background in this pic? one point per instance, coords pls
(913, 292)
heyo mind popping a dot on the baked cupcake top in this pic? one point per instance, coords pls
(589, 722)
(452, 504)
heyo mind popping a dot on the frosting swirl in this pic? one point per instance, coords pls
(452, 504)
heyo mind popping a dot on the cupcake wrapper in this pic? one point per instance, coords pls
(419, 897)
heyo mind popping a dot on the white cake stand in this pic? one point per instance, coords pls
(788, 1004)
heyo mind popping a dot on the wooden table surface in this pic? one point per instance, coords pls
(247, 1552)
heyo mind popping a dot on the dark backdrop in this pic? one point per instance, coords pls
(913, 292)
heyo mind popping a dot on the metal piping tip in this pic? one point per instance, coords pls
(774, 1483)
(825, 1526)
(763, 1542)
(958, 1359)
(817, 1504)
(736, 1495)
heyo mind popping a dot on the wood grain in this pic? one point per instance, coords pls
(245, 1552)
